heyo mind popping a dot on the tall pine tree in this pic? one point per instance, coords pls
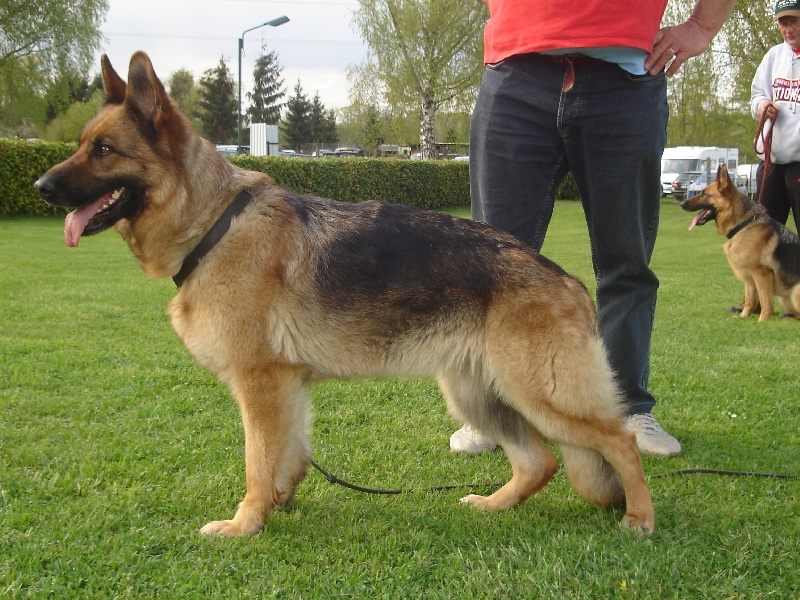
(267, 91)
(323, 124)
(218, 104)
(372, 131)
(296, 127)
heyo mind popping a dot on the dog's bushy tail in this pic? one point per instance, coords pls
(592, 476)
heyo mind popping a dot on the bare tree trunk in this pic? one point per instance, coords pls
(427, 136)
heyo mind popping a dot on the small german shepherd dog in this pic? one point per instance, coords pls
(763, 254)
(277, 289)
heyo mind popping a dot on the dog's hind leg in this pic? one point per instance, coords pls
(594, 448)
(592, 476)
(605, 448)
(533, 464)
(602, 461)
(572, 399)
(791, 302)
(275, 411)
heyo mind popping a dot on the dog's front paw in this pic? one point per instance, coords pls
(476, 501)
(227, 528)
(644, 527)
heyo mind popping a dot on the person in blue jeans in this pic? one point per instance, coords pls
(581, 88)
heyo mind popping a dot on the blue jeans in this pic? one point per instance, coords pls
(609, 130)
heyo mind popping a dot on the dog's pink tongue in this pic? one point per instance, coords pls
(76, 221)
(696, 219)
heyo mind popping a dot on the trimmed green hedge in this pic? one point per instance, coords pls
(21, 164)
(426, 184)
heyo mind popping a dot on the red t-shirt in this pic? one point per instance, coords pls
(521, 26)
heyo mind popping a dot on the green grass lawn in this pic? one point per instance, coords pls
(115, 448)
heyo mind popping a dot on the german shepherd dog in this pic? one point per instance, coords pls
(277, 290)
(763, 254)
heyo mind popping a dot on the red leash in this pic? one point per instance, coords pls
(766, 148)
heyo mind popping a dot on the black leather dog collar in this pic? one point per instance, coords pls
(214, 235)
(741, 226)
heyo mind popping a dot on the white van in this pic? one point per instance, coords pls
(683, 159)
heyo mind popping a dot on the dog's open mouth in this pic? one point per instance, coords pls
(703, 217)
(96, 217)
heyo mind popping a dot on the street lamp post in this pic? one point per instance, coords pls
(273, 23)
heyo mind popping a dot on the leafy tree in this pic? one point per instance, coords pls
(746, 36)
(180, 84)
(267, 91)
(94, 85)
(67, 127)
(426, 53)
(59, 33)
(186, 94)
(218, 104)
(38, 39)
(296, 126)
(22, 108)
(372, 132)
(709, 96)
(323, 123)
(66, 89)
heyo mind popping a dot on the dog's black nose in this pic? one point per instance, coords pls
(44, 186)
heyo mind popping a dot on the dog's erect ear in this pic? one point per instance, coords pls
(723, 180)
(145, 91)
(113, 84)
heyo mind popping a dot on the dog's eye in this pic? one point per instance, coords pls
(103, 149)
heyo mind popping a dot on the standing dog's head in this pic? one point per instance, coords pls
(137, 168)
(116, 164)
(720, 201)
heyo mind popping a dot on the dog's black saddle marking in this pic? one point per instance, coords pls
(214, 235)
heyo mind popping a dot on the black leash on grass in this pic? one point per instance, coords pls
(333, 479)
(726, 473)
(439, 488)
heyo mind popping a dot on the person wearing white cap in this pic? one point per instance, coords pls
(775, 95)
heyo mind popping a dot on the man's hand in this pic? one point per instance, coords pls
(682, 42)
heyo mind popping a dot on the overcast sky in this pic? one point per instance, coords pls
(315, 46)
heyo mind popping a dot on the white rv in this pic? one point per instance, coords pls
(683, 159)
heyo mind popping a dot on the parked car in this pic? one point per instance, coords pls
(293, 154)
(682, 183)
(232, 149)
(349, 151)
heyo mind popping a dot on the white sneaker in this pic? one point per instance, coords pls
(470, 441)
(651, 437)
